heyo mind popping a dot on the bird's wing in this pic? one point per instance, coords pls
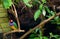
(15, 25)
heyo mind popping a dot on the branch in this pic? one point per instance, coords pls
(13, 32)
(39, 26)
(15, 12)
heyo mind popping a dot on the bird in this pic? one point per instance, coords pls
(13, 25)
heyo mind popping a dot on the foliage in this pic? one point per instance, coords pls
(44, 12)
(7, 3)
(42, 9)
(37, 35)
(17, 1)
(43, 1)
(37, 14)
(55, 36)
(56, 20)
(26, 2)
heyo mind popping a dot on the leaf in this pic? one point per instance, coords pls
(56, 18)
(17, 1)
(32, 35)
(26, 2)
(56, 36)
(37, 30)
(58, 23)
(45, 37)
(29, 5)
(37, 14)
(47, 9)
(41, 7)
(34, 2)
(30, 38)
(36, 38)
(52, 13)
(7, 3)
(51, 35)
(44, 12)
(40, 35)
(44, 1)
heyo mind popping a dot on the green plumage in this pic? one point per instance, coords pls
(15, 25)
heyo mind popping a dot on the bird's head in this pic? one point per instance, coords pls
(11, 21)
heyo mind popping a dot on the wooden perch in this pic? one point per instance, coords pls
(39, 26)
(13, 32)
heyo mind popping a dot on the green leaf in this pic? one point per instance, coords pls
(52, 13)
(34, 2)
(41, 7)
(7, 3)
(26, 2)
(36, 38)
(32, 35)
(45, 37)
(44, 12)
(40, 35)
(37, 14)
(17, 1)
(56, 36)
(51, 35)
(44, 1)
(56, 18)
(37, 30)
(47, 9)
(30, 38)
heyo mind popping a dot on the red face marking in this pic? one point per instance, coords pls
(11, 20)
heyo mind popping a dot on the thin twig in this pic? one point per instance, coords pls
(23, 8)
(40, 25)
(51, 4)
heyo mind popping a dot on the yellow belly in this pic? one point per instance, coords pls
(12, 27)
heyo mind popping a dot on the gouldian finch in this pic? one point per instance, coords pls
(13, 25)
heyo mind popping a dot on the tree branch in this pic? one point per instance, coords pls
(15, 12)
(13, 32)
(39, 26)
